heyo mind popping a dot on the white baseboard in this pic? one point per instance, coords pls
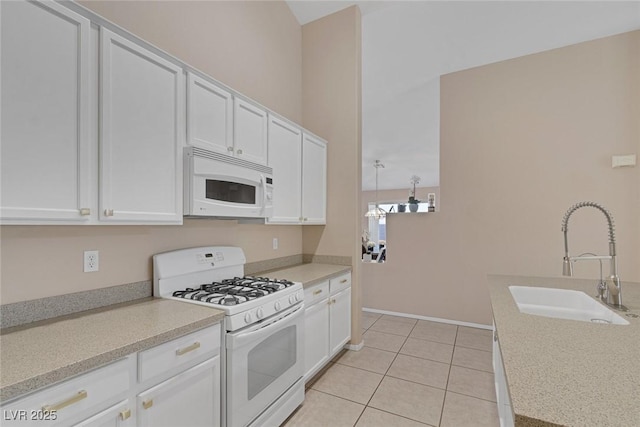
(432, 319)
(355, 347)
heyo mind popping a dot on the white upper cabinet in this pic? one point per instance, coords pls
(209, 116)
(45, 103)
(299, 162)
(250, 131)
(141, 133)
(285, 157)
(314, 180)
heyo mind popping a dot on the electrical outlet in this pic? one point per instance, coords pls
(275, 243)
(91, 261)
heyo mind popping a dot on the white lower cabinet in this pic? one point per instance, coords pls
(340, 320)
(327, 322)
(502, 392)
(73, 400)
(191, 398)
(316, 325)
(118, 415)
(173, 384)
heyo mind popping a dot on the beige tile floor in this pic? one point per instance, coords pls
(409, 373)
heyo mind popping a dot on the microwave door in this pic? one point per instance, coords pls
(220, 186)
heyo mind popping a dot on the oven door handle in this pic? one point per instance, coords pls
(243, 338)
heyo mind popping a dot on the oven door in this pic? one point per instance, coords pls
(262, 362)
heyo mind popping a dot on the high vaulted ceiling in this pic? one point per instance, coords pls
(408, 45)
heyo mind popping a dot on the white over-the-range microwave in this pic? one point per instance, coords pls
(218, 185)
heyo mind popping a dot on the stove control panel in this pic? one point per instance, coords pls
(260, 311)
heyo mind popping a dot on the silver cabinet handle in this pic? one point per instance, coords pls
(146, 404)
(343, 281)
(124, 415)
(108, 212)
(85, 211)
(82, 394)
(194, 346)
(317, 292)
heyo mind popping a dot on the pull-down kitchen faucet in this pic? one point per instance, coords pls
(612, 294)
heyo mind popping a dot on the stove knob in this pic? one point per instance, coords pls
(247, 318)
(297, 296)
(260, 313)
(277, 306)
(292, 299)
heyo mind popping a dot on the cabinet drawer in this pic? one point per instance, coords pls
(316, 293)
(339, 283)
(180, 352)
(70, 399)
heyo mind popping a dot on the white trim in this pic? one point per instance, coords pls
(432, 319)
(355, 347)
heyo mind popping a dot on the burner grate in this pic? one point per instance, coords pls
(234, 291)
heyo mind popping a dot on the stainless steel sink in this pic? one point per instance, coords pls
(563, 304)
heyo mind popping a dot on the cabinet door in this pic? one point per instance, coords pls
(209, 116)
(116, 416)
(142, 125)
(285, 157)
(316, 343)
(191, 398)
(45, 103)
(250, 132)
(339, 320)
(314, 180)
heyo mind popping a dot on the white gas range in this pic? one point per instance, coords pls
(264, 321)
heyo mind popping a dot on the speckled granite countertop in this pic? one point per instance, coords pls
(308, 274)
(50, 351)
(567, 372)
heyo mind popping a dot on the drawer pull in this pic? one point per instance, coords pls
(85, 211)
(343, 281)
(317, 292)
(82, 394)
(192, 347)
(124, 415)
(146, 404)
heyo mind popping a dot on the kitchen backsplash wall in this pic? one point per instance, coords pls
(43, 261)
(521, 141)
(254, 47)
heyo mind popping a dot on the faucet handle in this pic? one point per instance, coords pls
(601, 287)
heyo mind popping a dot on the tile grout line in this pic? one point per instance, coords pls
(448, 377)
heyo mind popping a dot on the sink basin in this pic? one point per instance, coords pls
(563, 304)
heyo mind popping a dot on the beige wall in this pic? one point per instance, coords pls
(254, 47)
(331, 82)
(521, 141)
